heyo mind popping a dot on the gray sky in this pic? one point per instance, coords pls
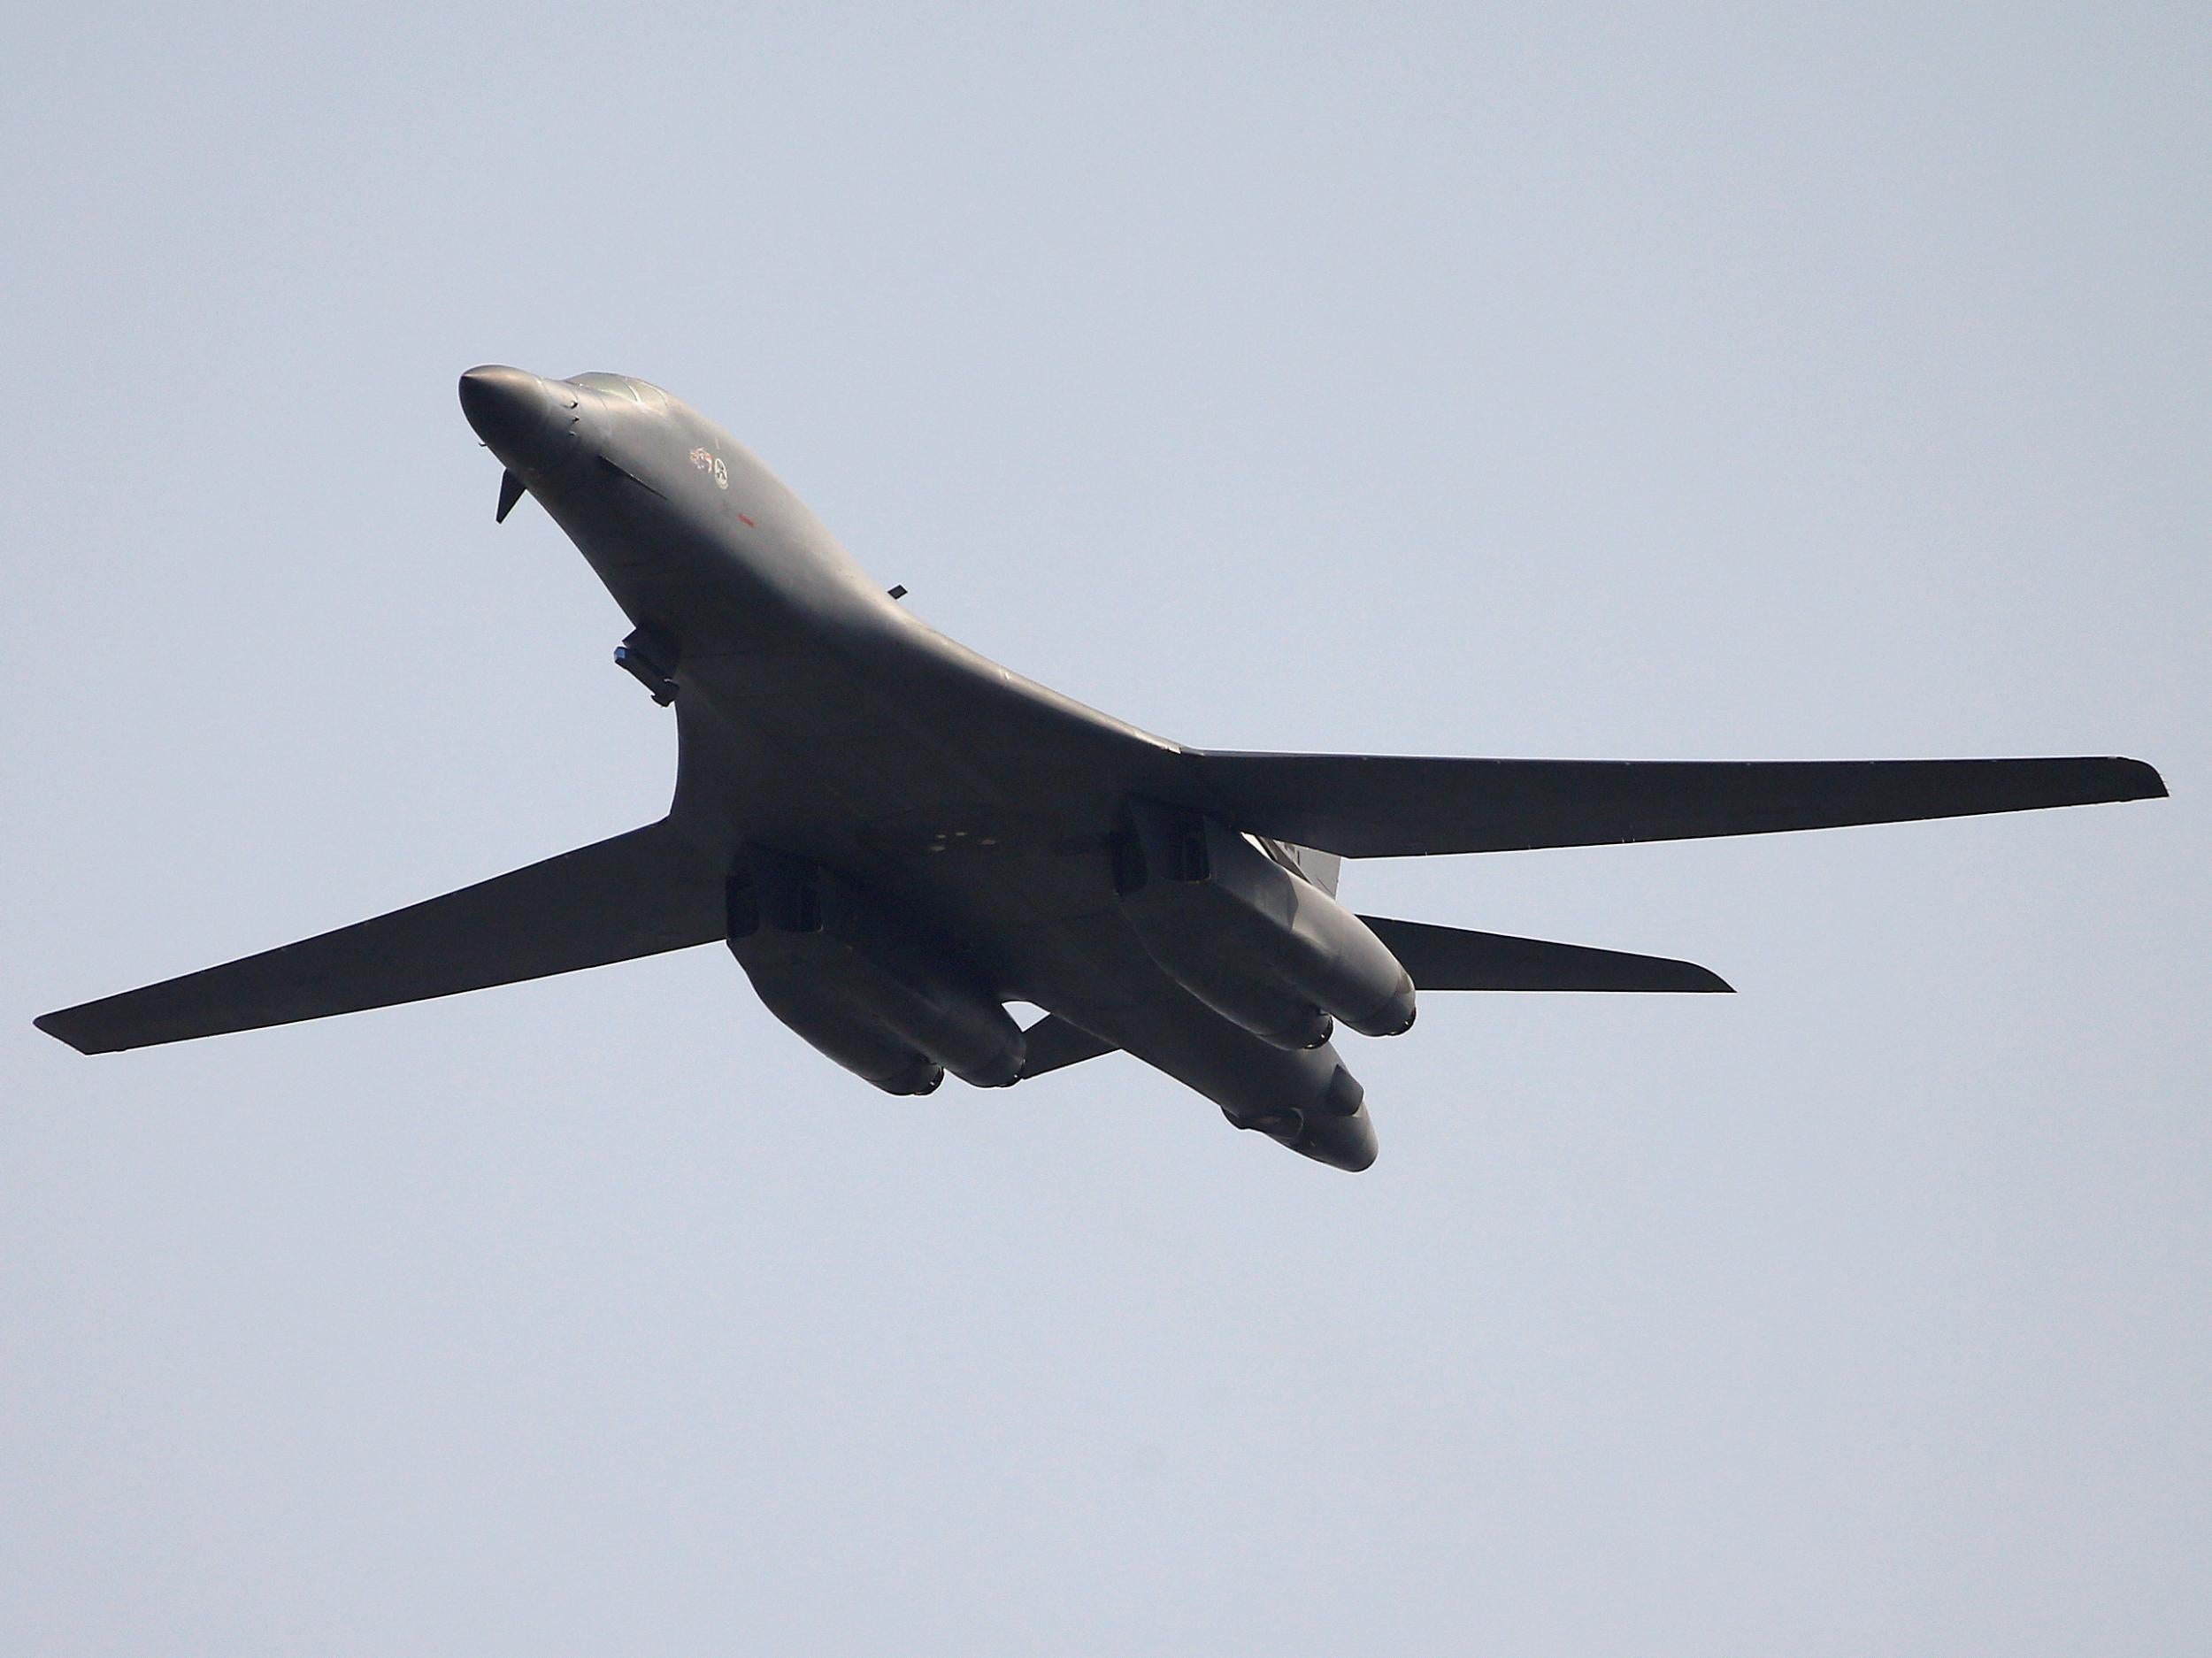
(1599, 383)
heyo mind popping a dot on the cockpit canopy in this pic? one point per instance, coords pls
(637, 391)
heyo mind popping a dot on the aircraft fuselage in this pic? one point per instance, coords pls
(818, 717)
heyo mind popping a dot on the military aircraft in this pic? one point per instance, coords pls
(896, 837)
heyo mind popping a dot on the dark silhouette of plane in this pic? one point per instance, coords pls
(896, 837)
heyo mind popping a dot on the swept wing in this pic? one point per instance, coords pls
(1371, 806)
(637, 894)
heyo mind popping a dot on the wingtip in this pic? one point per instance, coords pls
(2142, 780)
(59, 1026)
(1671, 975)
(1689, 979)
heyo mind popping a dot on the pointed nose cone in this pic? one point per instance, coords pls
(516, 414)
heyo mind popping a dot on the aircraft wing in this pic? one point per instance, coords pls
(1369, 806)
(636, 894)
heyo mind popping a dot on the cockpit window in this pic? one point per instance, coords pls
(622, 386)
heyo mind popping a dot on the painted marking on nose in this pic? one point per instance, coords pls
(741, 518)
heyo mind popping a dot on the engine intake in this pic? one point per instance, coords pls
(862, 984)
(1263, 947)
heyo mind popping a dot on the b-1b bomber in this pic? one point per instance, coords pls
(896, 838)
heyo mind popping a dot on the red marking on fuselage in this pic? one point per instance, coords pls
(741, 518)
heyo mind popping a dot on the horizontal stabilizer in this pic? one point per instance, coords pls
(637, 894)
(1453, 958)
(1370, 806)
(1053, 1043)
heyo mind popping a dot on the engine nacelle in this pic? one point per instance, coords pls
(1262, 947)
(1329, 1123)
(862, 1046)
(862, 985)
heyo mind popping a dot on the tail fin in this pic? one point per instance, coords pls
(1453, 958)
(1055, 1042)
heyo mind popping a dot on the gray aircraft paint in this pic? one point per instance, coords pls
(977, 819)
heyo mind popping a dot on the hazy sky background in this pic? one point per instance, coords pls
(1606, 382)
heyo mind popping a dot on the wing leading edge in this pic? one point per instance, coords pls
(1369, 806)
(638, 893)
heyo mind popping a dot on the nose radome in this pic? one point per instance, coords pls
(512, 410)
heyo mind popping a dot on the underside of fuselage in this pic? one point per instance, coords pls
(1021, 894)
(989, 822)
